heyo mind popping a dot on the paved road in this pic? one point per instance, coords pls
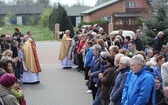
(57, 86)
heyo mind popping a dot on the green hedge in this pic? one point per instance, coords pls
(99, 22)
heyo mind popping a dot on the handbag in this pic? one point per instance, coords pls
(22, 101)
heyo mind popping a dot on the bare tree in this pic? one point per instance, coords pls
(101, 1)
(2, 2)
(78, 3)
(45, 2)
(21, 2)
(29, 2)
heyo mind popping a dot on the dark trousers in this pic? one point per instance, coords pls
(105, 102)
(87, 68)
(75, 58)
(94, 91)
(18, 70)
(80, 62)
(97, 100)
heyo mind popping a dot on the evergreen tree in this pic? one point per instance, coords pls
(60, 16)
(52, 19)
(158, 22)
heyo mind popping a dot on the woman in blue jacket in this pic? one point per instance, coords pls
(95, 68)
(88, 58)
(139, 87)
(124, 67)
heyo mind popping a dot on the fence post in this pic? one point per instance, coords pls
(144, 26)
(57, 29)
(110, 28)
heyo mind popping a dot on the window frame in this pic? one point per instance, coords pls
(131, 4)
(106, 18)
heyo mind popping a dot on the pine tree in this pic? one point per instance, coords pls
(52, 19)
(60, 16)
(158, 22)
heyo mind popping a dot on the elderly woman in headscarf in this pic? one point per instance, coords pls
(104, 66)
(113, 77)
(105, 80)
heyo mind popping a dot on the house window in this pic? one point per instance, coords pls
(150, 1)
(87, 18)
(130, 4)
(78, 21)
(108, 18)
(125, 21)
(132, 21)
(127, 4)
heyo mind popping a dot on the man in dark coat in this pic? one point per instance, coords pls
(138, 43)
(165, 100)
(158, 41)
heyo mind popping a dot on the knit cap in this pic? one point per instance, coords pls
(7, 80)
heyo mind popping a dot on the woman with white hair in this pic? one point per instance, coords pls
(124, 68)
(139, 87)
(7, 55)
(113, 50)
(113, 77)
(95, 69)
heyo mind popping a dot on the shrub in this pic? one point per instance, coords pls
(44, 20)
(59, 15)
(31, 20)
(8, 18)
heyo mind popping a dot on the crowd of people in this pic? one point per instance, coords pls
(18, 63)
(117, 68)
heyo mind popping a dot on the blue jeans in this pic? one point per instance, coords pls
(97, 100)
(111, 103)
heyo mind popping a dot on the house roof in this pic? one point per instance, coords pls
(126, 15)
(75, 11)
(100, 6)
(22, 9)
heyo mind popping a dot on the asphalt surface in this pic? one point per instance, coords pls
(57, 86)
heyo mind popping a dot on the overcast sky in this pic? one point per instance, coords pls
(70, 2)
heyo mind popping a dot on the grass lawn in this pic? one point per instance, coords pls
(38, 33)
